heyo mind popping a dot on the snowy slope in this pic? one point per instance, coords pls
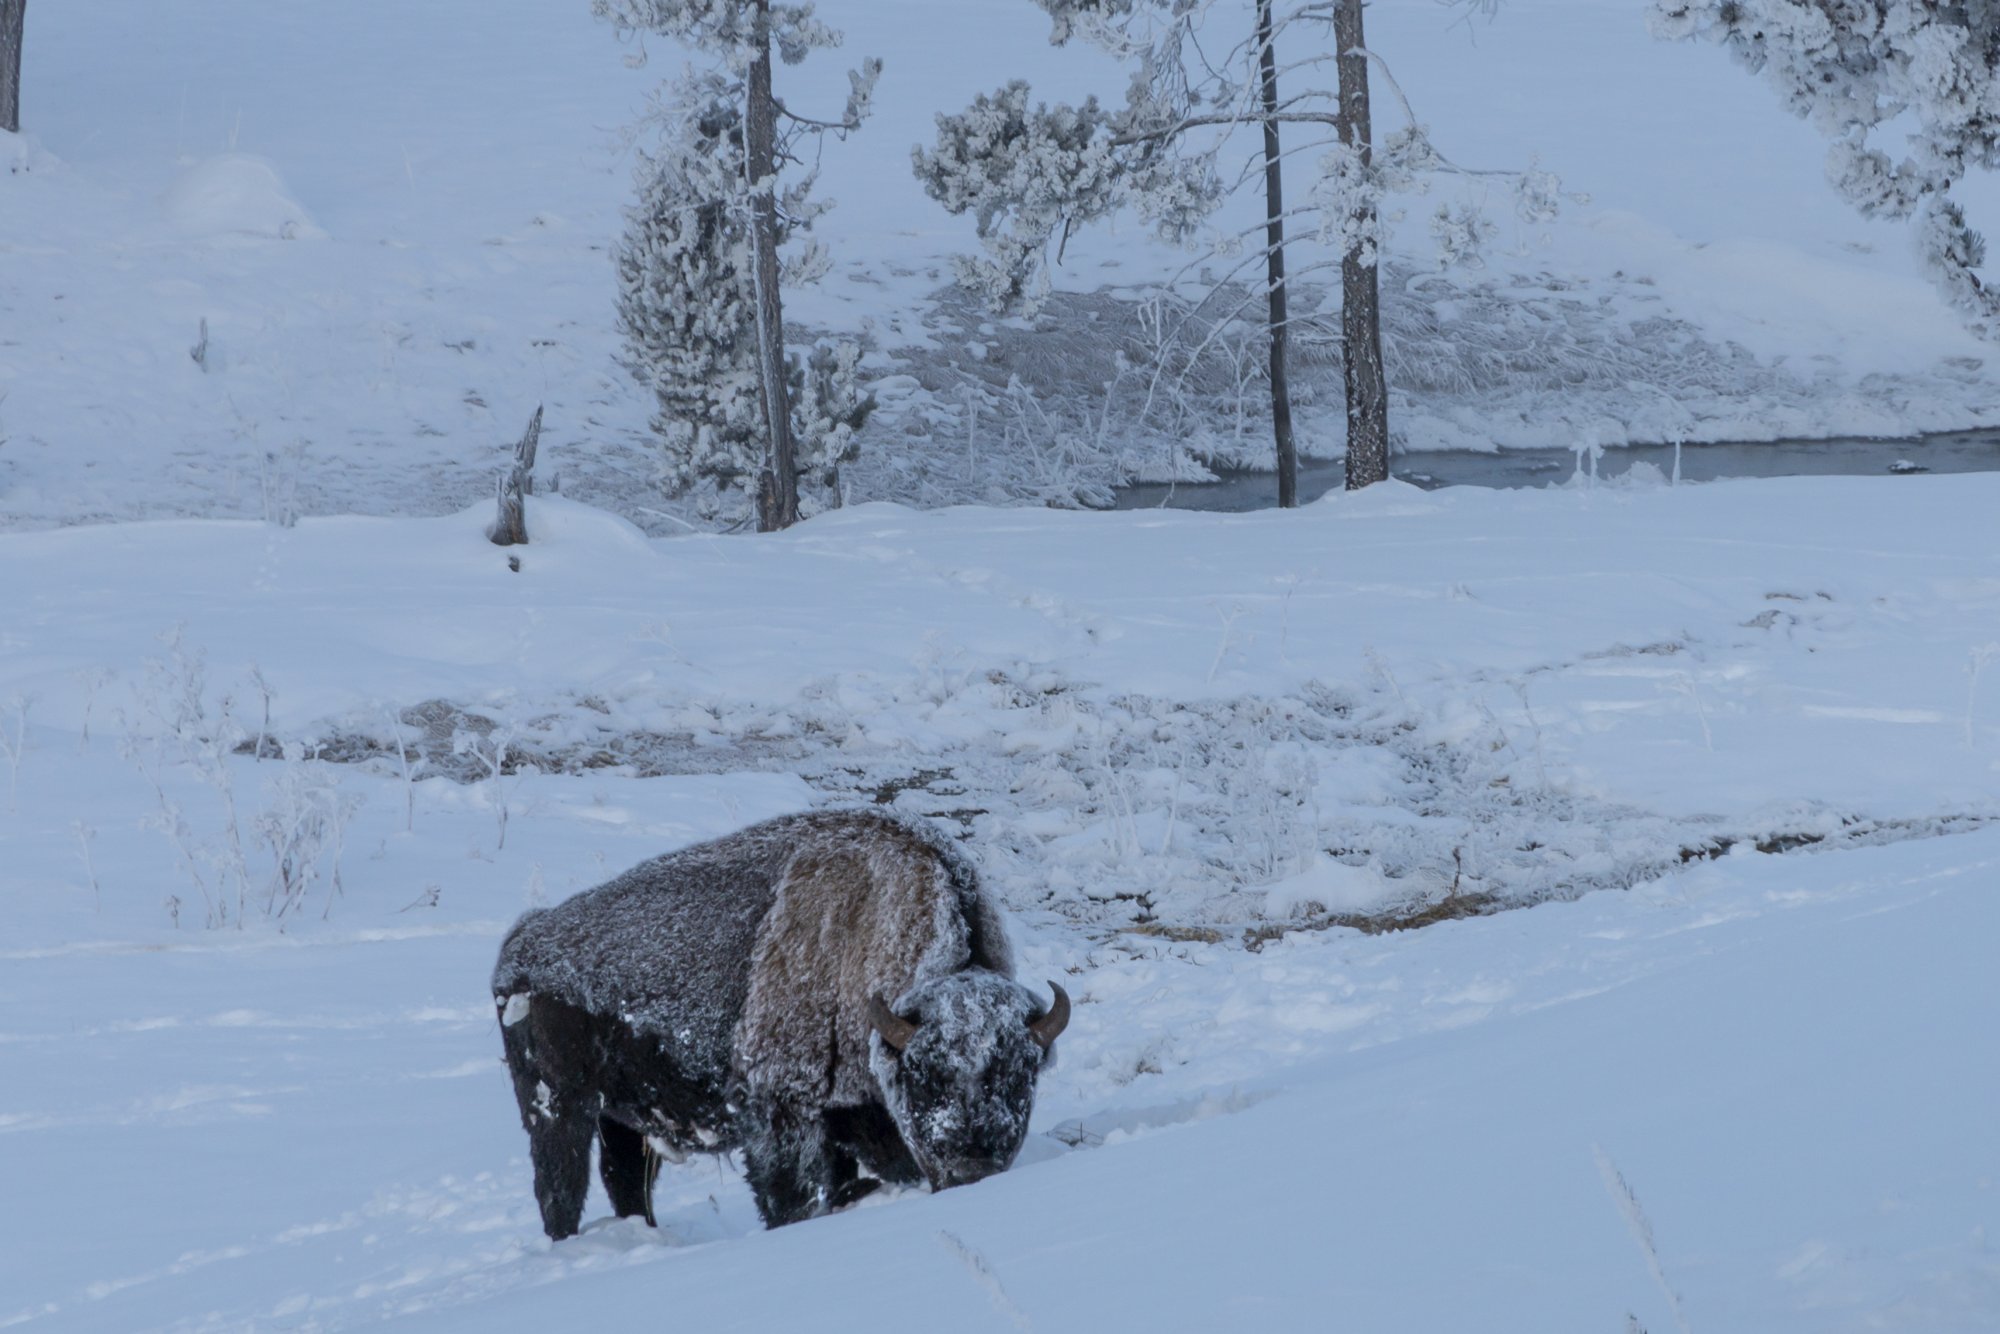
(1781, 1058)
(301, 1123)
(1800, 1156)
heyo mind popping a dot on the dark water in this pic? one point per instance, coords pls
(1962, 451)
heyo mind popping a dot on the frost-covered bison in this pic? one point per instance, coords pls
(732, 995)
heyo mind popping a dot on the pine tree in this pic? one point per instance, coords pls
(1854, 68)
(700, 279)
(1032, 175)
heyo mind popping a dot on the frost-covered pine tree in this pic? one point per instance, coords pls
(700, 278)
(1926, 70)
(686, 302)
(1202, 70)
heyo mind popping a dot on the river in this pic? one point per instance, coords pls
(1959, 451)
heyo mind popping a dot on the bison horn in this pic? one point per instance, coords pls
(895, 1030)
(1050, 1026)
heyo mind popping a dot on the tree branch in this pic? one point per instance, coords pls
(838, 126)
(1186, 123)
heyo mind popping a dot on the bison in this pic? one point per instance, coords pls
(832, 993)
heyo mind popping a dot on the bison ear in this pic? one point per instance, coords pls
(896, 1031)
(1050, 1026)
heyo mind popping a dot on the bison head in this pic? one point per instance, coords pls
(956, 1059)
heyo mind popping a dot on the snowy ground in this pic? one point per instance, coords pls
(299, 1122)
(1694, 786)
(393, 220)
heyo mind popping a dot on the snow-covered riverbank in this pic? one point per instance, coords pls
(394, 222)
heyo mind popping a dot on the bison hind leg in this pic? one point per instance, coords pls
(629, 1169)
(559, 1147)
(553, 1111)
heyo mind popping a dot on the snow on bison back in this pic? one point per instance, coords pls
(832, 993)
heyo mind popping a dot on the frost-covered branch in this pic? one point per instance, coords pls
(1030, 176)
(1925, 70)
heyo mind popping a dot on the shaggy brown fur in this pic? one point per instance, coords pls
(868, 906)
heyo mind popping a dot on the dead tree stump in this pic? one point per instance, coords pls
(511, 528)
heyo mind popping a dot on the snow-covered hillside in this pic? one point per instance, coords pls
(394, 221)
(1167, 736)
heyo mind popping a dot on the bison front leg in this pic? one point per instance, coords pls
(628, 1169)
(790, 1165)
(848, 1183)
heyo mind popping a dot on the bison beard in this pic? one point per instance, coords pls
(831, 993)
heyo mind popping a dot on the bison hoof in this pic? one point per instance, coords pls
(853, 1191)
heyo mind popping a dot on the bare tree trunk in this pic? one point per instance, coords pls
(1274, 265)
(13, 22)
(1361, 300)
(511, 528)
(778, 488)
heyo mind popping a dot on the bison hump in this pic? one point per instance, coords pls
(862, 908)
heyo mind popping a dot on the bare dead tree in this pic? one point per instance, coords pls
(1361, 299)
(1274, 263)
(13, 23)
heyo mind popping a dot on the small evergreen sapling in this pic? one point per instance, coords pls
(684, 300)
(700, 276)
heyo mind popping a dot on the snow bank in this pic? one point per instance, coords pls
(21, 155)
(236, 193)
(1326, 886)
(1149, 718)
